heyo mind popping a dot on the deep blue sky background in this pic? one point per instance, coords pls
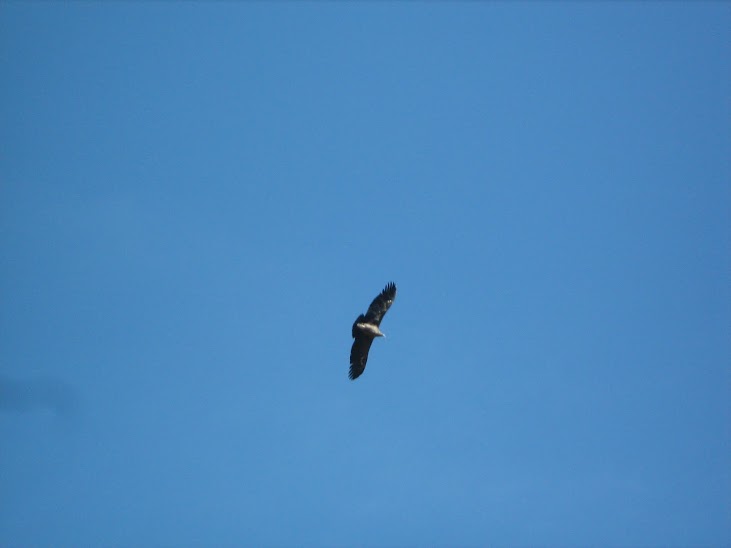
(197, 200)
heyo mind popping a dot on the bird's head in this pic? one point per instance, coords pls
(370, 328)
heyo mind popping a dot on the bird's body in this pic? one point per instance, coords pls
(367, 327)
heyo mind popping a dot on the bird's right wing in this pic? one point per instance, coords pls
(359, 356)
(381, 304)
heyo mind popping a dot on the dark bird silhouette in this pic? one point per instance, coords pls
(365, 329)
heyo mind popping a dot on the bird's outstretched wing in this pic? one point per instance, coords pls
(359, 355)
(381, 304)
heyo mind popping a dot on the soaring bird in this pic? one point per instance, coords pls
(365, 329)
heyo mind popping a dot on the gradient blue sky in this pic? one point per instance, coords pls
(197, 200)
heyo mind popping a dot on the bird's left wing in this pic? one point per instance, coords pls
(359, 356)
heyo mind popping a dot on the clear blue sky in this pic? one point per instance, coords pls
(197, 200)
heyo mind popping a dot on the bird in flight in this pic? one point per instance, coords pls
(365, 329)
